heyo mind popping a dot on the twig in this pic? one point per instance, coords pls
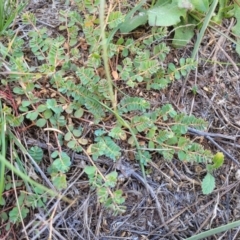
(217, 135)
(208, 136)
(127, 171)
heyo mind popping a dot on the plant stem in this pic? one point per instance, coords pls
(3, 150)
(105, 55)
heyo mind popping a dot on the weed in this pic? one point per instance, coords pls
(77, 90)
(8, 11)
(184, 16)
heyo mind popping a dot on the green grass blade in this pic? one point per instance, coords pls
(9, 13)
(105, 58)
(204, 27)
(26, 178)
(3, 150)
(214, 231)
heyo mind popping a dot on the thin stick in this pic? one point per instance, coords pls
(208, 136)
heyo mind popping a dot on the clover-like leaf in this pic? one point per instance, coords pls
(41, 122)
(59, 180)
(68, 136)
(32, 115)
(208, 184)
(90, 170)
(79, 113)
(77, 132)
(62, 163)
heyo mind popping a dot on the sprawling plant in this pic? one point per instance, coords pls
(67, 84)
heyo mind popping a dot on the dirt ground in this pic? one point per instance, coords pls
(173, 206)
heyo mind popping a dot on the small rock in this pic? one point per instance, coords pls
(237, 175)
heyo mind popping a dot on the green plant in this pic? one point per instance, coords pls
(8, 11)
(3, 149)
(104, 184)
(184, 15)
(213, 231)
(35, 197)
(77, 92)
(208, 183)
(25, 202)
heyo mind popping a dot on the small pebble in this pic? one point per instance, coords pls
(237, 175)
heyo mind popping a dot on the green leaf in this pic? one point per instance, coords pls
(18, 90)
(90, 170)
(182, 36)
(60, 120)
(118, 198)
(151, 133)
(163, 135)
(111, 179)
(142, 123)
(117, 133)
(236, 28)
(86, 75)
(41, 122)
(32, 115)
(166, 15)
(26, 103)
(218, 160)
(36, 153)
(182, 155)
(3, 216)
(133, 23)
(52, 104)
(143, 157)
(62, 163)
(77, 132)
(167, 155)
(72, 144)
(115, 18)
(54, 154)
(2, 201)
(59, 180)
(151, 145)
(23, 109)
(182, 141)
(102, 193)
(99, 132)
(41, 108)
(108, 203)
(16, 121)
(129, 104)
(208, 184)
(179, 129)
(94, 106)
(79, 113)
(105, 146)
(68, 136)
(48, 114)
(201, 6)
(14, 216)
